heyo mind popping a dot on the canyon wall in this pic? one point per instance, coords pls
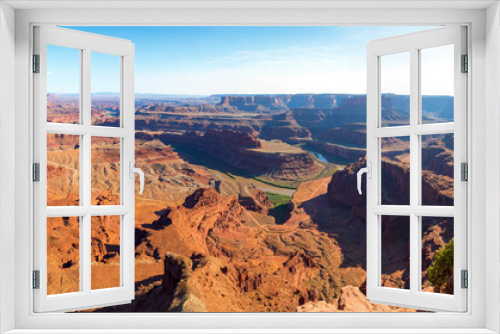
(243, 151)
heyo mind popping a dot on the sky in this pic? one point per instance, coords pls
(247, 60)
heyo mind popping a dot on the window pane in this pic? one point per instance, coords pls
(105, 89)
(63, 255)
(395, 89)
(437, 169)
(63, 170)
(395, 252)
(437, 84)
(105, 171)
(105, 252)
(63, 84)
(437, 255)
(395, 170)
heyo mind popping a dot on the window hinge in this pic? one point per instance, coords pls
(36, 172)
(36, 63)
(464, 171)
(36, 279)
(465, 64)
(465, 279)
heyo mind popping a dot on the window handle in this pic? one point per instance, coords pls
(133, 171)
(368, 171)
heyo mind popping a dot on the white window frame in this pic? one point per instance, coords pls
(17, 303)
(412, 44)
(86, 44)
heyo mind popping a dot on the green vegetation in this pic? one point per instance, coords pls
(231, 175)
(280, 206)
(278, 199)
(292, 185)
(440, 272)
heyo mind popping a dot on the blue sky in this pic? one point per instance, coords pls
(238, 60)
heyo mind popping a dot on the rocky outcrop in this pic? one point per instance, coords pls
(300, 258)
(154, 150)
(351, 299)
(202, 198)
(236, 101)
(284, 127)
(254, 199)
(106, 197)
(177, 284)
(232, 138)
(248, 281)
(256, 103)
(272, 102)
(325, 101)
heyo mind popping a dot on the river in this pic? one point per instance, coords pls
(320, 156)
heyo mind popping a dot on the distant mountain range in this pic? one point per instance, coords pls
(395, 108)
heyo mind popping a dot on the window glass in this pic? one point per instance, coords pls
(395, 252)
(395, 170)
(63, 84)
(437, 169)
(437, 84)
(63, 170)
(395, 89)
(105, 252)
(437, 255)
(63, 255)
(105, 89)
(105, 172)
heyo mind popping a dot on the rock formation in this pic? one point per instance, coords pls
(253, 199)
(351, 300)
(244, 152)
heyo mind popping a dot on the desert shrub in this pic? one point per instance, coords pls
(440, 272)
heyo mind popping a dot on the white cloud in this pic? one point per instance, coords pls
(339, 68)
(292, 70)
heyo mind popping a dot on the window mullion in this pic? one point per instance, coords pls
(86, 168)
(414, 169)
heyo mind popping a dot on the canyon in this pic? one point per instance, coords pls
(250, 203)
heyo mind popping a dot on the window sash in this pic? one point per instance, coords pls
(86, 297)
(414, 298)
